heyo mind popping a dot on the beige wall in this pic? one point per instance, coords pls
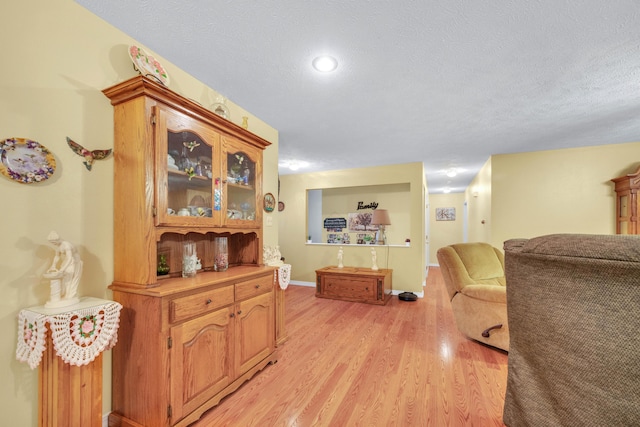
(557, 191)
(408, 263)
(57, 58)
(524, 195)
(479, 195)
(340, 202)
(443, 233)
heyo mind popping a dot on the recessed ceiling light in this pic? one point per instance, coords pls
(325, 64)
(294, 165)
(452, 172)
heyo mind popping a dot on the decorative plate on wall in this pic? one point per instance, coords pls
(25, 160)
(147, 65)
(280, 206)
(269, 202)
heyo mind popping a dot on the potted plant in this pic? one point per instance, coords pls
(163, 267)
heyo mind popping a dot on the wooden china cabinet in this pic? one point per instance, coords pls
(627, 203)
(183, 173)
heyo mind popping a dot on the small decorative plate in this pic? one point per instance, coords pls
(269, 202)
(25, 160)
(147, 65)
(280, 206)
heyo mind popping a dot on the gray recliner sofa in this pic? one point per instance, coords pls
(573, 306)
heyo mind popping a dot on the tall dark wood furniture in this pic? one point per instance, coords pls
(627, 203)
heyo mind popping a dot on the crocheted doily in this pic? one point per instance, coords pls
(31, 334)
(78, 335)
(284, 275)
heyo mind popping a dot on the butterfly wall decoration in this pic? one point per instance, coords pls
(88, 155)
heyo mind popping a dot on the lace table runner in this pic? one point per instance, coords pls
(79, 332)
(284, 275)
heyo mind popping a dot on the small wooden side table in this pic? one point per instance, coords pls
(354, 284)
(69, 342)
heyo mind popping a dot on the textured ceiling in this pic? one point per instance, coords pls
(445, 82)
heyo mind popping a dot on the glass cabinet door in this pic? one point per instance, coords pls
(188, 180)
(241, 186)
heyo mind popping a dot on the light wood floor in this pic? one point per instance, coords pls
(352, 364)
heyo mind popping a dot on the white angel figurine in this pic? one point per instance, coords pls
(65, 278)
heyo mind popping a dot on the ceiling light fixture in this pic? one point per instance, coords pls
(294, 165)
(452, 172)
(325, 64)
(446, 190)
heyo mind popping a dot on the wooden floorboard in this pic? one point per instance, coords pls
(353, 364)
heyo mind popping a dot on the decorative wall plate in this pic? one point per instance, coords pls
(147, 65)
(280, 206)
(269, 202)
(25, 160)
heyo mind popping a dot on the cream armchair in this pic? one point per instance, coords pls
(474, 276)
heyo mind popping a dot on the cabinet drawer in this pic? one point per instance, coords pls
(200, 303)
(253, 287)
(349, 288)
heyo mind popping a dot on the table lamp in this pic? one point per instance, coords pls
(381, 219)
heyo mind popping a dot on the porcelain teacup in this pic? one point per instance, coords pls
(196, 211)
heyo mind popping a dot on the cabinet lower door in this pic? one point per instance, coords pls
(201, 360)
(255, 331)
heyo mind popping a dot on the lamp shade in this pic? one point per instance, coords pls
(380, 217)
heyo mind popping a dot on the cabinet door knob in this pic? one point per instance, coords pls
(257, 286)
(208, 301)
(239, 312)
(232, 315)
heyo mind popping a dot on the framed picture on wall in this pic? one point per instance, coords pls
(445, 214)
(361, 221)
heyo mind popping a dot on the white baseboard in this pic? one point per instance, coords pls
(105, 420)
(299, 283)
